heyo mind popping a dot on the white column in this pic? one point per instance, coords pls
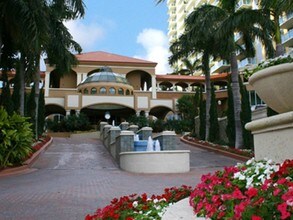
(77, 111)
(137, 113)
(189, 88)
(67, 112)
(173, 86)
(78, 78)
(84, 76)
(47, 83)
(154, 89)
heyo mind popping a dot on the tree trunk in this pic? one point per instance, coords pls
(37, 94)
(206, 67)
(236, 102)
(21, 82)
(280, 49)
(1, 44)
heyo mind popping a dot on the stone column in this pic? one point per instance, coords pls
(133, 128)
(167, 140)
(79, 80)
(102, 125)
(154, 89)
(106, 135)
(124, 125)
(47, 84)
(124, 143)
(114, 132)
(145, 132)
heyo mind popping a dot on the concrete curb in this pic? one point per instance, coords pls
(26, 167)
(220, 151)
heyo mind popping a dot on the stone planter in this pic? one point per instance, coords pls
(274, 86)
(273, 135)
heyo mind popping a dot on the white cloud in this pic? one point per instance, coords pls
(86, 35)
(155, 44)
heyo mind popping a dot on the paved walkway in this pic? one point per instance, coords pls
(75, 176)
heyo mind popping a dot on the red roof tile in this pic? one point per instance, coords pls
(100, 56)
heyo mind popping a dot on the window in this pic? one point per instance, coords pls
(112, 91)
(120, 91)
(103, 90)
(93, 91)
(85, 91)
(127, 92)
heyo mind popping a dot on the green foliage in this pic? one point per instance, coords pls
(16, 91)
(41, 113)
(69, 124)
(214, 124)
(230, 129)
(157, 125)
(179, 126)
(187, 107)
(268, 63)
(16, 138)
(202, 117)
(245, 116)
(141, 121)
(5, 99)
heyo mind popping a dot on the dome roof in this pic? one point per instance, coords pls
(106, 74)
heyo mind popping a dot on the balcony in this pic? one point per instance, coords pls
(246, 63)
(287, 39)
(244, 4)
(286, 22)
(220, 66)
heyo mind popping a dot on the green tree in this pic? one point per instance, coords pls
(250, 24)
(276, 8)
(199, 37)
(230, 129)
(5, 98)
(245, 115)
(214, 128)
(202, 117)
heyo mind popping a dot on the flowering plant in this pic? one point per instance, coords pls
(140, 207)
(268, 63)
(255, 190)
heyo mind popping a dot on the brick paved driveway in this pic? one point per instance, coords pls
(75, 176)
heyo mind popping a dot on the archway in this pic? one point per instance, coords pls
(140, 80)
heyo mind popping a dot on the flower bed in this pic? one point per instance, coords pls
(242, 152)
(255, 190)
(135, 207)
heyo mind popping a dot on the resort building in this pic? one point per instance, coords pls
(110, 84)
(179, 10)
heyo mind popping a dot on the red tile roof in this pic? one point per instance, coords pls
(101, 56)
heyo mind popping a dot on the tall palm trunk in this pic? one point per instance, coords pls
(206, 68)
(21, 82)
(236, 101)
(280, 50)
(1, 44)
(37, 95)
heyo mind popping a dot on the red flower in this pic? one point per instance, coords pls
(255, 217)
(251, 192)
(283, 209)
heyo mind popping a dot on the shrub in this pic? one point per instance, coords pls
(16, 138)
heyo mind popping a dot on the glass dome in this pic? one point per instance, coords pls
(106, 74)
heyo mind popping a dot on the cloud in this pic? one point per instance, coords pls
(155, 45)
(86, 35)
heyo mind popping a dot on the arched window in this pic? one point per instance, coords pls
(127, 92)
(112, 91)
(120, 91)
(93, 90)
(85, 91)
(103, 90)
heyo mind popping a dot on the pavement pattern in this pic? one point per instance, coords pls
(75, 176)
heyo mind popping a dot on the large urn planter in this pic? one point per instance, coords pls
(274, 85)
(273, 137)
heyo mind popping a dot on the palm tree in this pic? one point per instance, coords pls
(199, 37)
(276, 8)
(251, 24)
(36, 27)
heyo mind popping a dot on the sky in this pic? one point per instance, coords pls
(134, 28)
